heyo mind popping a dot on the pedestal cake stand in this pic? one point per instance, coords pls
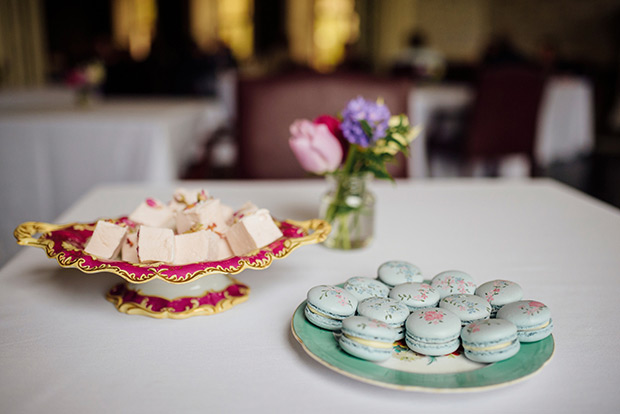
(161, 290)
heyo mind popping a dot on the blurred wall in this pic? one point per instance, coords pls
(21, 43)
(461, 28)
(582, 29)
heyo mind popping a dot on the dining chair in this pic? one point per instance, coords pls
(505, 113)
(268, 106)
(502, 121)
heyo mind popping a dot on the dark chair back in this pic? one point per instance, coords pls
(505, 113)
(267, 107)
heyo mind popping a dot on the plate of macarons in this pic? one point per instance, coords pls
(446, 334)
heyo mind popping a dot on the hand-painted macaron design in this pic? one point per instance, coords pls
(390, 311)
(415, 295)
(328, 305)
(532, 318)
(490, 340)
(452, 282)
(469, 308)
(499, 293)
(395, 272)
(365, 287)
(367, 338)
(433, 331)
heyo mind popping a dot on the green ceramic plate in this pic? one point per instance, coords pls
(396, 372)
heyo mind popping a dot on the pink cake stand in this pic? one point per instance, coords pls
(162, 290)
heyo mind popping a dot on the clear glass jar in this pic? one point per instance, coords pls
(349, 206)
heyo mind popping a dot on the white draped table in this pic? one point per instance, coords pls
(50, 155)
(65, 349)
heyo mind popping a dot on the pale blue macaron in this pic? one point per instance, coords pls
(532, 318)
(499, 293)
(469, 308)
(452, 282)
(367, 338)
(365, 287)
(433, 331)
(388, 310)
(395, 272)
(328, 305)
(415, 295)
(490, 340)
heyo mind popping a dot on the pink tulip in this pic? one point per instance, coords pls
(317, 150)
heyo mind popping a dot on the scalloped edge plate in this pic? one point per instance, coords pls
(65, 243)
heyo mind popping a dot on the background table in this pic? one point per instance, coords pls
(566, 121)
(50, 155)
(565, 127)
(423, 102)
(66, 349)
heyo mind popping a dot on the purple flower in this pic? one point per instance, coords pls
(358, 109)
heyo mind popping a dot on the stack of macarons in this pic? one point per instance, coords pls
(433, 317)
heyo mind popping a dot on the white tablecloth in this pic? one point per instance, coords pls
(43, 97)
(565, 128)
(566, 121)
(49, 156)
(65, 349)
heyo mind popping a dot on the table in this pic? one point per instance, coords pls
(41, 97)
(565, 128)
(65, 349)
(423, 102)
(566, 124)
(50, 155)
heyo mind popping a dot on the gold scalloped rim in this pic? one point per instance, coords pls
(24, 232)
(132, 308)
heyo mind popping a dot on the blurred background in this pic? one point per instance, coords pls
(503, 88)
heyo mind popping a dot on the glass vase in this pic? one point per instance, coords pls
(83, 98)
(349, 206)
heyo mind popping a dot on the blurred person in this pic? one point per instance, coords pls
(501, 50)
(419, 60)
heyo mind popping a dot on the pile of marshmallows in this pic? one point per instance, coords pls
(490, 320)
(193, 227)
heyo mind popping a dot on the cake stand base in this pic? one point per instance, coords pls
(159, 299)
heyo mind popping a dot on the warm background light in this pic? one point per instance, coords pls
(336, 24)
(133, 24)
(228, 21)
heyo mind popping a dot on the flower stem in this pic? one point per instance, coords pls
(347, 168)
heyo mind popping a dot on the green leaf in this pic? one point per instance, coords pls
(366, 127)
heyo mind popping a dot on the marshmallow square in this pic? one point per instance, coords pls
(183, 197)
(246, 209)
(202, 215)
(153, 213)
(228, 214)
(129, 249)
(252, 232)
(218, 247)
(106, 240)
(191, 248)
(155, 244)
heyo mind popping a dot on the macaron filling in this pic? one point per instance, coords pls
(368, 342)
(314, 310)
(535, 328)
(475, 347)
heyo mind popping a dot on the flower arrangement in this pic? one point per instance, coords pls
(86, 79)
(350, 148)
